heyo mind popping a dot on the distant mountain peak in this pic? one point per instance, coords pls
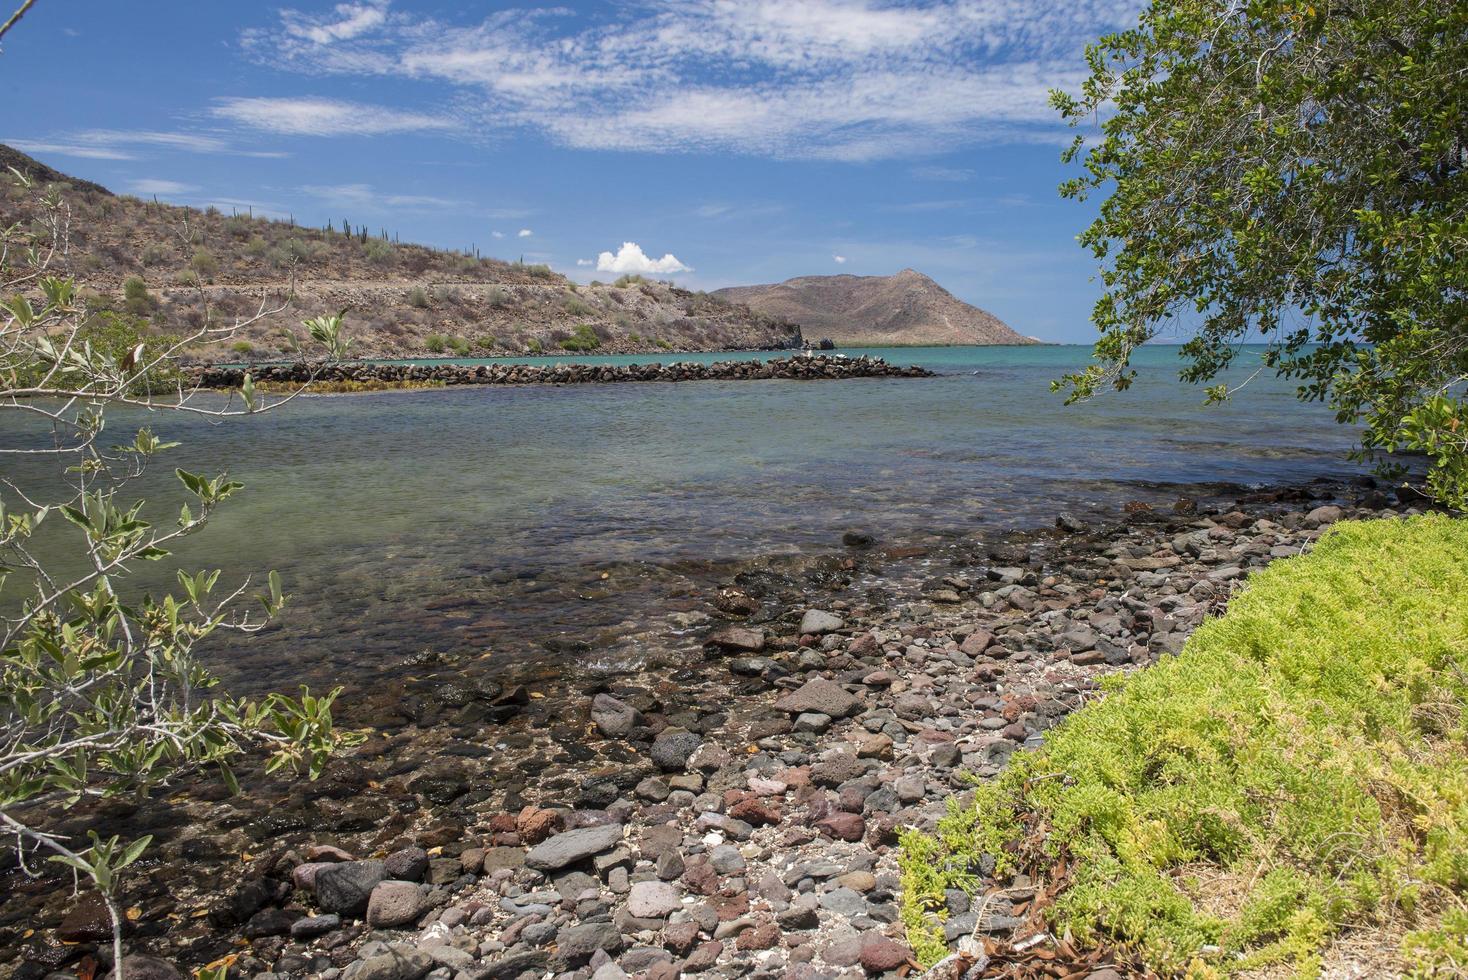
(854, 311)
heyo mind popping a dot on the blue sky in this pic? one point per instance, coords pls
(732, 141)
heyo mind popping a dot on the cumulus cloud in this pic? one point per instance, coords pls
(839, 259)
(585, 263)
(631, 259)
(524, 233)
(312, 116)
(837, 79)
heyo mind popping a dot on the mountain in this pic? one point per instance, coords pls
(402, 300)
(872, 311)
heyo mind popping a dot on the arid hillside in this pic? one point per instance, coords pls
(174, 265)
(855, 311)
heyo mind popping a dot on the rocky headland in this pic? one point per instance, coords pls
(733, 810)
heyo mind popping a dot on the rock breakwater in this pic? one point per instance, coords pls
(802, 368)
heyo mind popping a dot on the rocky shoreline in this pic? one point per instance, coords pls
(736, 815)
(798, 368)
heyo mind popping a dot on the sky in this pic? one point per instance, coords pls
(710, 142)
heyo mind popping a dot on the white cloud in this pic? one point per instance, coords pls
(631, 259)
(364, 195)
(121, 144)
(524, 233)
(346, 21)
(585, 262)
(837, 79)
(497, 234)
(154, 185)
(313, 116)
(942, 173)
(840, 259)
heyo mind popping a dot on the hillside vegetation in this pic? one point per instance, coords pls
(876, 311)
(167, 265)
(1298, 772)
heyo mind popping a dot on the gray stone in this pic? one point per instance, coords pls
(844, 901)
(512, 966)
(613, 718)
(818, 621)
(653, 899)
(820, 696)
(315, 925)
(394, 903)
(395, 964)
(812, 721)
(672, 750)
(572, 846)
(727, 860)
(577, 944)
(409, 864)
(344, 888)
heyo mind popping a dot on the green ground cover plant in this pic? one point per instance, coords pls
(1309, 749)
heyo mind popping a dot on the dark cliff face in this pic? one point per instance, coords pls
(30, 167)
(906, 308)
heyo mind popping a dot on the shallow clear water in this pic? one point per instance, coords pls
(485, 518)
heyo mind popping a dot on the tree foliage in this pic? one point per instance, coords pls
(102, 691)
(1294, 172)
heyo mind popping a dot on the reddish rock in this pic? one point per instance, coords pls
(681, 937)
(705, 956)
(756, 811)
(763, 936)
(864, 645)
(880, 954)
(535, 825)
(976, 643)
(843, 826)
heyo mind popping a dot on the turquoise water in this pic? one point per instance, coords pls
(490, 518)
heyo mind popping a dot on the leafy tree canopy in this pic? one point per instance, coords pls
(1293, 172)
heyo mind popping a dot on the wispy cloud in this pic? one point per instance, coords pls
(524, 233)
(364, 195)
(313, 116)
(839, 259)
(122, 144)
(155, 185)
(836, 79)
(954, 174)
(631, 259)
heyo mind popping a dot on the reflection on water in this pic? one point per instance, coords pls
(491, 519)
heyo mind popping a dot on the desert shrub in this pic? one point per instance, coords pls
(300, 251)
(187, 277)
(534, 346)
(487, 343)
(238, 226)
(436, 342)
(204, 263)
(153, 255)
(576, 306)
(496, 297)
(256, 247)
(447, 294)
(663, 344)
(242, 347)
(136, 298)
(467, 265)
(629, 280)
(418, 298)
(379, 252)
(540, 271)
(583, 339)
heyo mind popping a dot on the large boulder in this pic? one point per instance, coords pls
(672, 750)
(394, 903)
(570, 848)
(741, 639)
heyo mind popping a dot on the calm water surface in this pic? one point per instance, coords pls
(490, 519)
